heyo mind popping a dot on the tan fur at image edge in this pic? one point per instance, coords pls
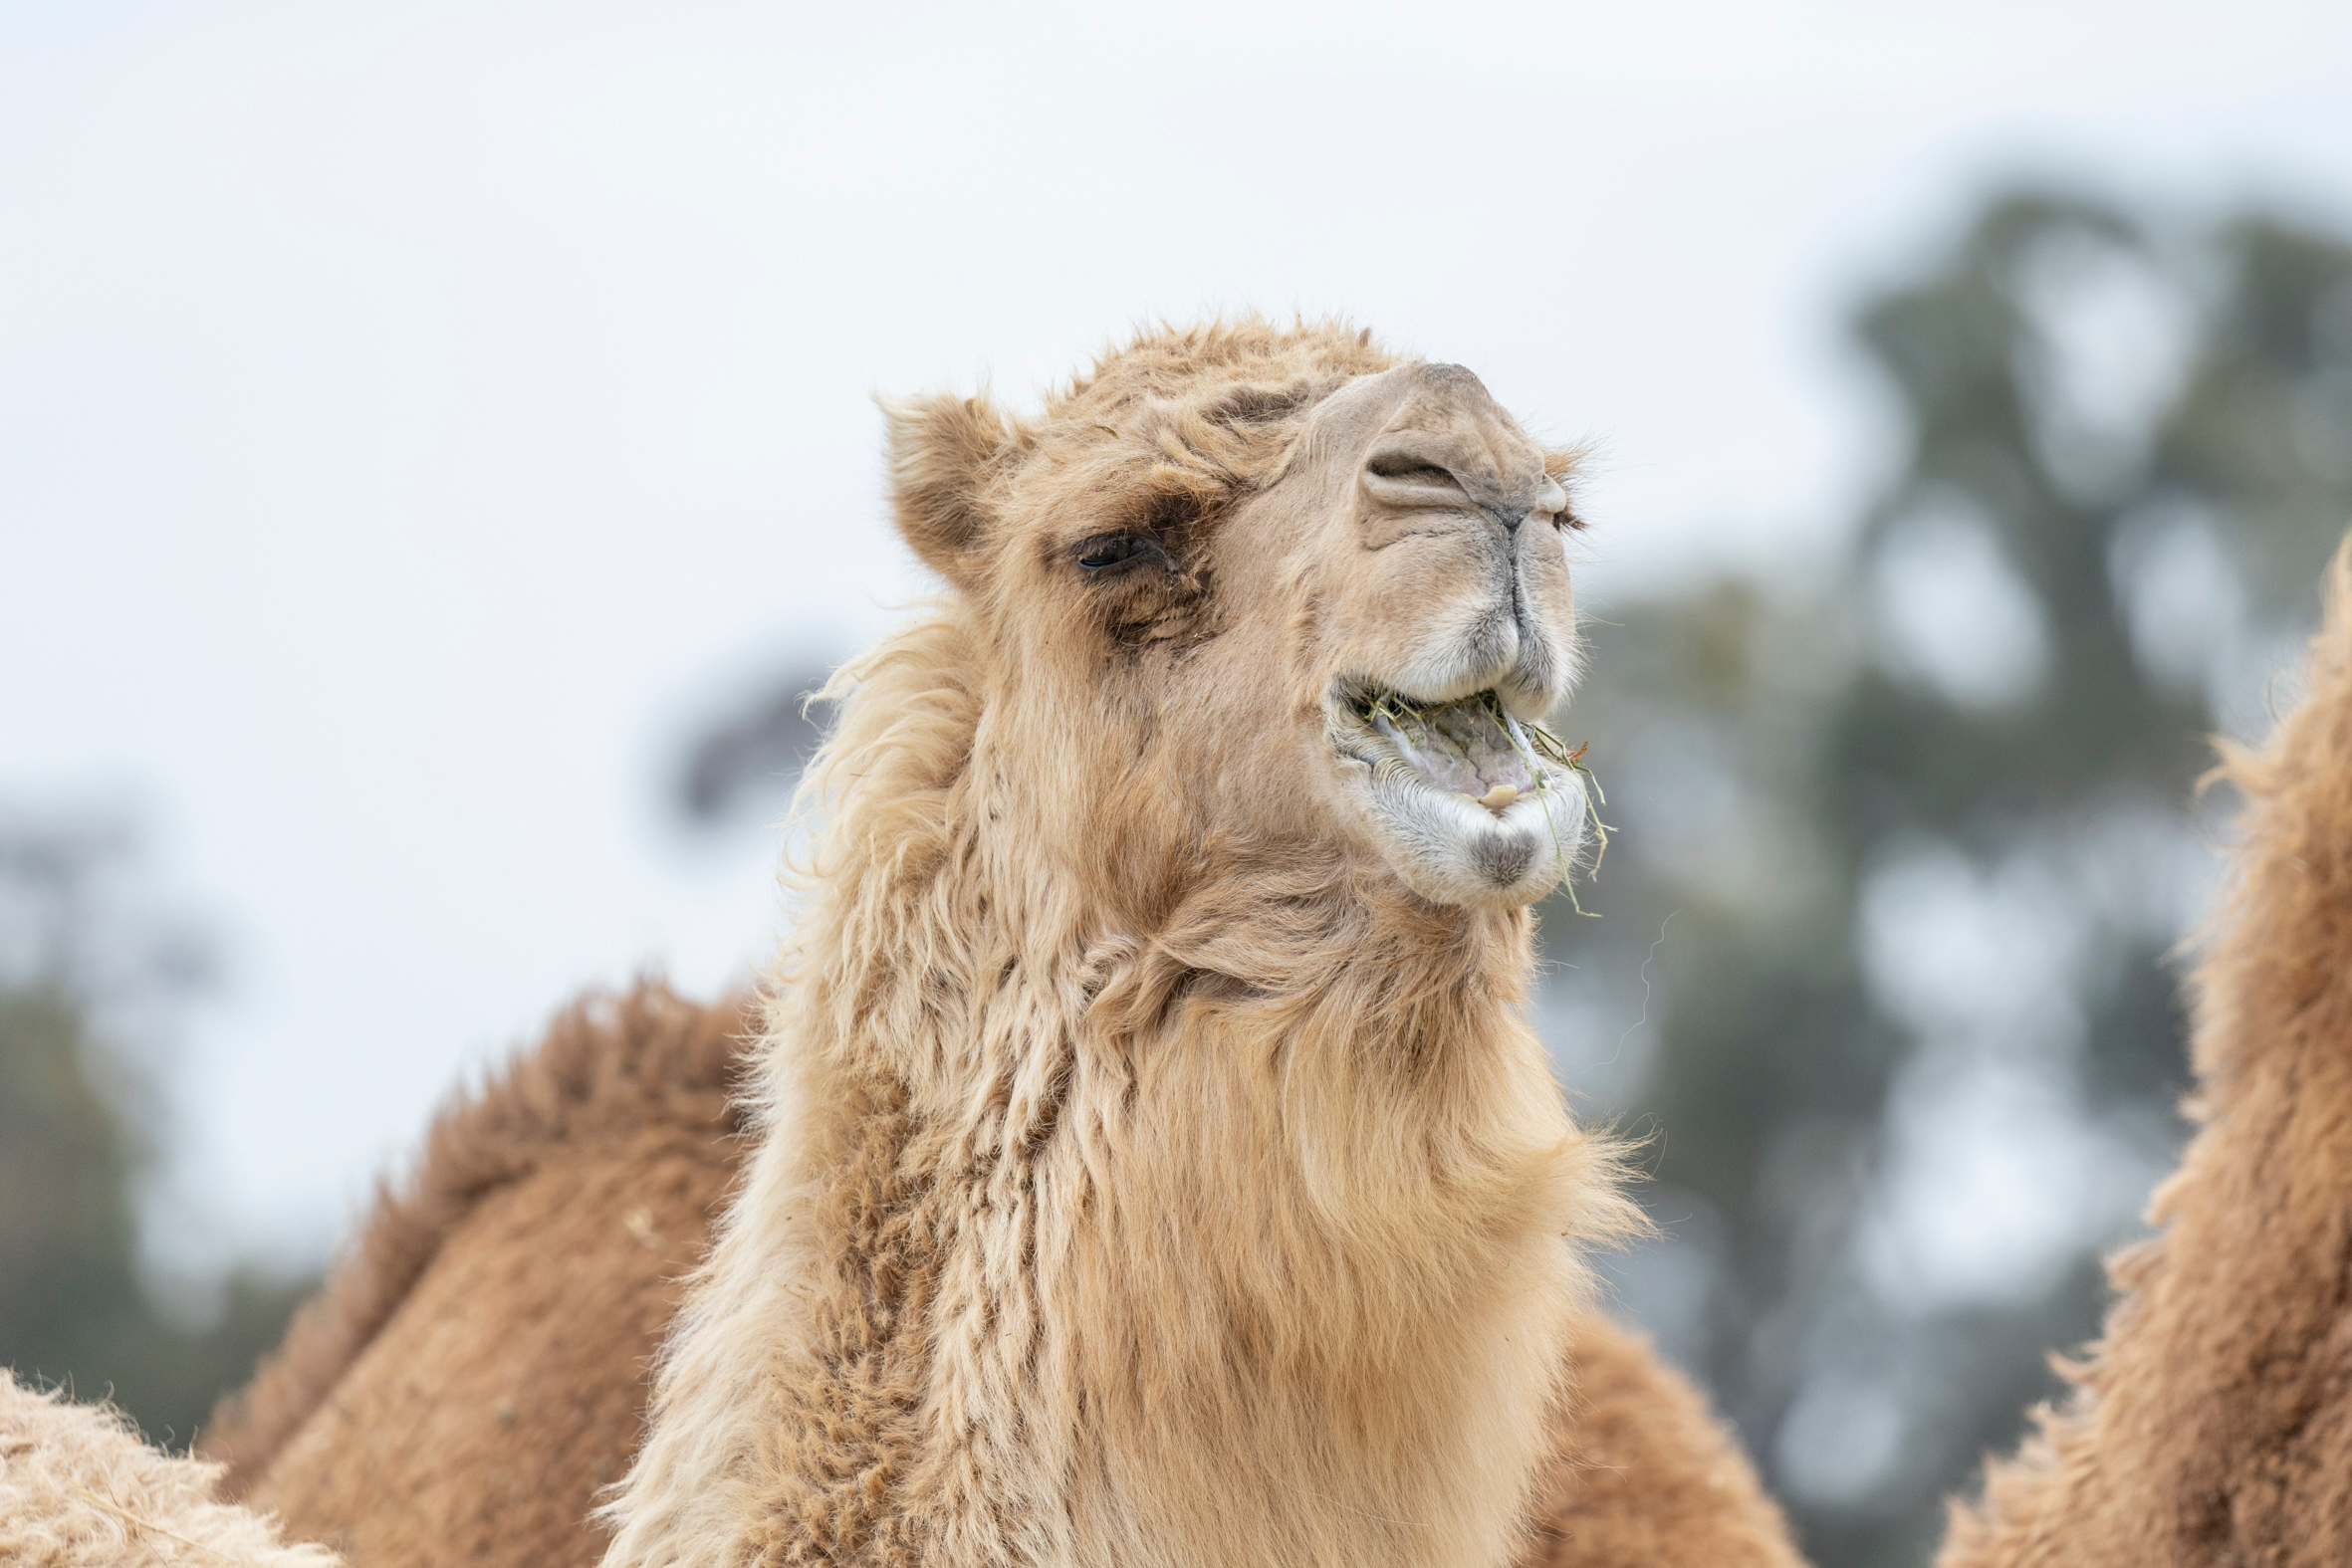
(2213, 1424)
(79, 1488)
(949, 1270)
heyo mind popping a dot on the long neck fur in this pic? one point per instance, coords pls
(1236, 1240)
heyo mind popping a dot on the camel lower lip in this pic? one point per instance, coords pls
(1470, 805)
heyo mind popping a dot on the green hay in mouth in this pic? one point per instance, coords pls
(1531, 741)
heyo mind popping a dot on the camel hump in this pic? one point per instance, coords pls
(644, 1067)
(2276, 980)
(2212, 1423)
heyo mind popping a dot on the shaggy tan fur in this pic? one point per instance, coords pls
(476, 1367)
(2213, 1425)
(1154, 1166)
(1643, 1469)
(78, 1488)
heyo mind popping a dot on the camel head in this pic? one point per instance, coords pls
(1245, 592)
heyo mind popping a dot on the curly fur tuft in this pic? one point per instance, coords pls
(79, 1488)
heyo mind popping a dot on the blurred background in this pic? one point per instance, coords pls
(435, 452)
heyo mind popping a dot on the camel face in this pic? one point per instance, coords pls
(1439, 579)
(1291, 594)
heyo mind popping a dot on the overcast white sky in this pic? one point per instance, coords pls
(415, 419)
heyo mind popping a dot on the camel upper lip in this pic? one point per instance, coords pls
(1470, 745)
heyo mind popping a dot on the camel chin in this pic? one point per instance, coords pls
(1434, 801)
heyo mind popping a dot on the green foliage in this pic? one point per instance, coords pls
(71, 1307)
(1906, 834)
(66, 1225)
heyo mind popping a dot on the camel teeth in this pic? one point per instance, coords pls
(1499, 797)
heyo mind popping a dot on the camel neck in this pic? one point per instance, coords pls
(1130, 1232)
(1233, 1240)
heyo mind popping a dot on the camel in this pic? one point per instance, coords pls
(1151, 1162)
(79, 1487)
(2212, 1421)
(1145, 1158)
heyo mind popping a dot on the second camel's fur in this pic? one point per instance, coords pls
(2212, 1423)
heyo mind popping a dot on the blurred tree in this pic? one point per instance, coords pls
(1906, 835)
(752, 759)
(74, 1110)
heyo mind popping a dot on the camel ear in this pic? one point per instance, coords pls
(944, 450)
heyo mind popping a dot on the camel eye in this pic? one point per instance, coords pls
(1418, 472)
(1111, 549)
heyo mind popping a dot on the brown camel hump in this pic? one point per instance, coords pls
(1646, 1473)
(2213, 1423)
(482, 1267)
